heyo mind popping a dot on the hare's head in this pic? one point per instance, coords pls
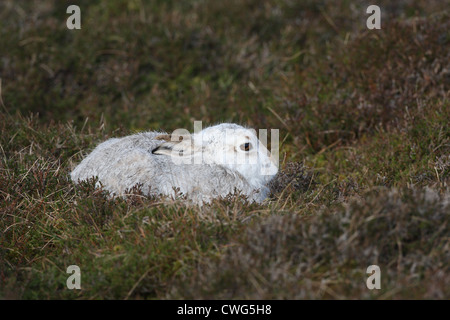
(226, 144)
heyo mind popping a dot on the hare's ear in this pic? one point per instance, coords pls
(175, 148)
(171, 137)
(165, 137)
(166, 148)
(178, 145)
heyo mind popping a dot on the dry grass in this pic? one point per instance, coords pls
(365, 143)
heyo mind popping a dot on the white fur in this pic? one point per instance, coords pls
(203, 166)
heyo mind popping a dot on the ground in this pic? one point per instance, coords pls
(363, 117)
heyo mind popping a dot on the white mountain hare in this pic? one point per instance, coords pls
(212, 163)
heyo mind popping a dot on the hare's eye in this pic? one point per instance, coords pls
(246, 146)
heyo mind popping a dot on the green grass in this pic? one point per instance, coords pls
(365, 143)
